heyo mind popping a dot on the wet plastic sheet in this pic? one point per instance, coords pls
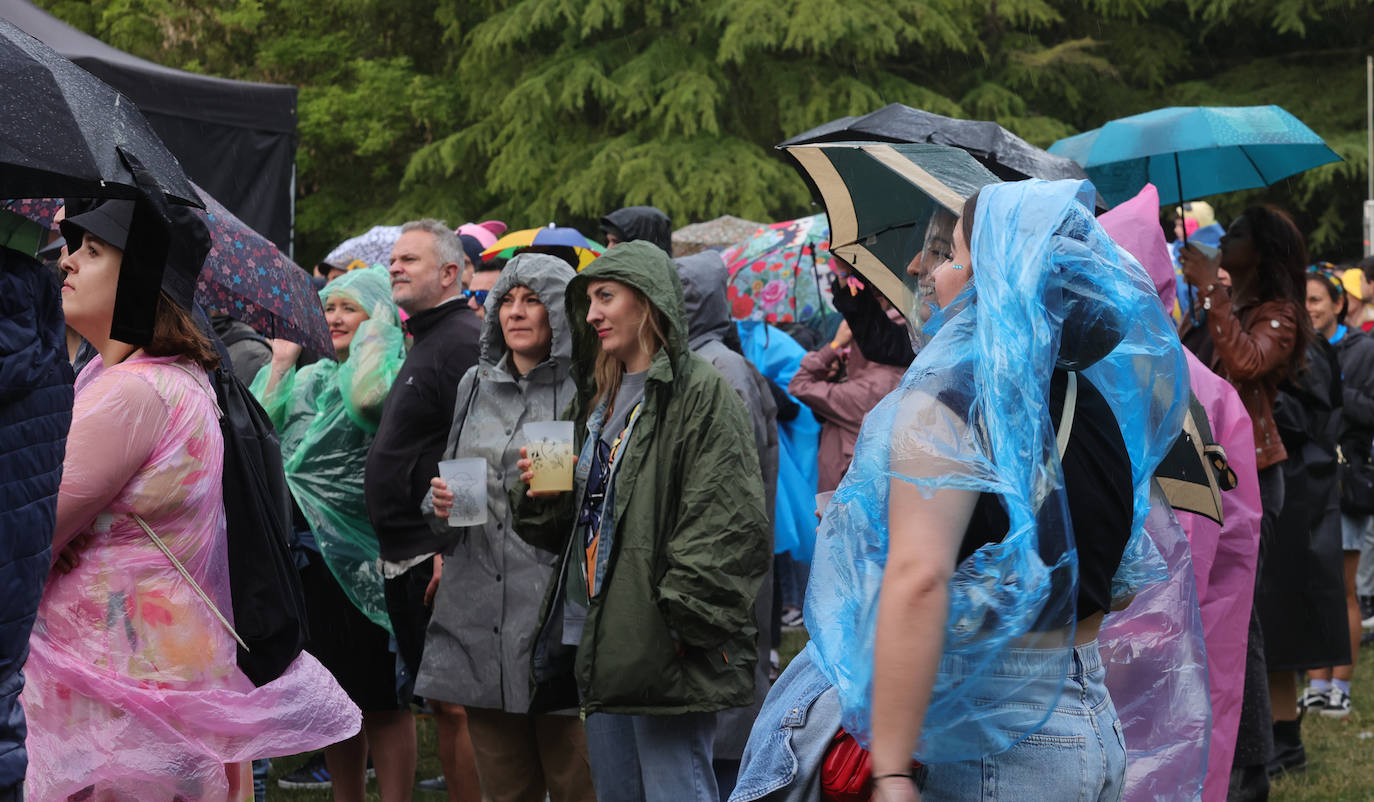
(1049, 288)
(1157, 674)
(133, 691)
(326, 414)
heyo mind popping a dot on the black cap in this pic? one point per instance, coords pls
(109, 221)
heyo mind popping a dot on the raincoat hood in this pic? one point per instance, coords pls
(1135, 227)
(548, 277)
(370, 288)
(648, 269)
(703, 293)
(637, 223)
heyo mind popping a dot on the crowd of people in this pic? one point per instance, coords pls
(983, 477)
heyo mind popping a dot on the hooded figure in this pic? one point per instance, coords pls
(496, 574)
(709, 329)
(1050, 296)
(479, 641)
(326, 414)
(684, 537)
(640, 223)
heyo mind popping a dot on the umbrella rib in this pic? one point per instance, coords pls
(1258, 171)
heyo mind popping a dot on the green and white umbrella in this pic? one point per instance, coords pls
(879, 198)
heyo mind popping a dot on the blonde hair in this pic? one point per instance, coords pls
(608, 371)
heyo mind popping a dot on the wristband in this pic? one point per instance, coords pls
(906, 775)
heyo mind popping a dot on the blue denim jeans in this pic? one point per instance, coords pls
(1079, 753)
(652, 758)
(261, 767)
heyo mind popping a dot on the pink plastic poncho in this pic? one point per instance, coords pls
(1223, 556)
(133, 692)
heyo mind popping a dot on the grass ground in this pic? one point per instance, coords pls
(1340, 754)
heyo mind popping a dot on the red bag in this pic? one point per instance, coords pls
(846, 775)
(846, 771)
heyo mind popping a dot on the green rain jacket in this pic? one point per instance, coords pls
(690, 542)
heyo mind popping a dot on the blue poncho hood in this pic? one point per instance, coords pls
(1049, 288)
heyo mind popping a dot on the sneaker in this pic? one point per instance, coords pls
(1367, 624)
(1312, 699)
(435, 785)
(792, 618)
(311, 775)
(1337, 703)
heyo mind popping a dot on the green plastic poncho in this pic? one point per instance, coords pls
(327, 414)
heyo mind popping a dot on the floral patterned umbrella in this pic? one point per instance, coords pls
(782, 273)
(39, 210)
(247, 278)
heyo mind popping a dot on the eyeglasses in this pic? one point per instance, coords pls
(480, 296)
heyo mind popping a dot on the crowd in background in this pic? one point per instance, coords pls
(618, 641)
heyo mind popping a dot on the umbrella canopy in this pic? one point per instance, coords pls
(782, 273)
(550, 235)
(879, 199)
(247, 278)
(64, 130)
(721, 232)
(372, 247)
(39, 210)
(1191, 152)
(1006, 155)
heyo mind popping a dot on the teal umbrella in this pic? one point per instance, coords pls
(879, 198)
(1191, 152)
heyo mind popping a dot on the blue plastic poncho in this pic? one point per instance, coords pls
(1049, 287)
(326, 414)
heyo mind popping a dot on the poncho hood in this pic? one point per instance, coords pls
(548, 277)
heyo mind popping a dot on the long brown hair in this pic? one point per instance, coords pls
(652, 336)
(175, 333)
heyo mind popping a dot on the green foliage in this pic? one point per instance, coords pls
(541, 110)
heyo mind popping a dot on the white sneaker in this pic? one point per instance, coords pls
(1313, 699)
(1337, 703)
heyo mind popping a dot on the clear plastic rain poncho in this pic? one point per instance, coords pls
(326, 414)
(1049, 288)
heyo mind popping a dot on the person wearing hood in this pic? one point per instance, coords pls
(652, 618)
(479, 642)
(326, 414)
(712, 334)
(1224, 554)
(638, 223)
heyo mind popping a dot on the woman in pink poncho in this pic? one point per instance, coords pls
(133, 692)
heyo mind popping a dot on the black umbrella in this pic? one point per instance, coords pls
(1006, 155)
(62, 130)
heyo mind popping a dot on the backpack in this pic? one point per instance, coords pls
(264, 583)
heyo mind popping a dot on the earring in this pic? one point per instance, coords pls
(956, 266)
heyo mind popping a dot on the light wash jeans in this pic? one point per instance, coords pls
(652, 758)
(1079, 753)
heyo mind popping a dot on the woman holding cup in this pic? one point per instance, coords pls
(478, 646)
(653, 613)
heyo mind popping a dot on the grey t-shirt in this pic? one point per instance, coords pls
(631, 392)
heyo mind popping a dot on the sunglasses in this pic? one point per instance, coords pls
(480, 296)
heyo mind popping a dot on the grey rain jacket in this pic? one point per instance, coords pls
(478, 645)
(709, 329)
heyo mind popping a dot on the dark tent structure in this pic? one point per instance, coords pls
(236, 139)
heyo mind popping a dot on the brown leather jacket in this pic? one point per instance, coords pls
(1253, 347)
